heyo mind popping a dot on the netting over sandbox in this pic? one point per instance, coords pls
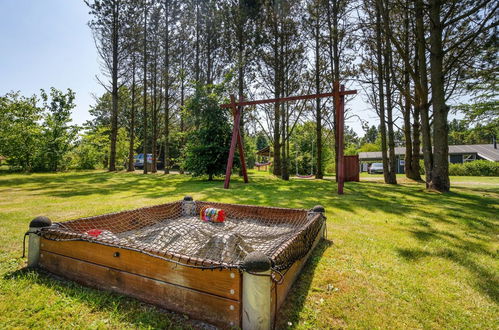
(175, 232)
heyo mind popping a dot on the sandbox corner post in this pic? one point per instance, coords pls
(317, 209)
(34, 239)
(188, 206)
(256, 297)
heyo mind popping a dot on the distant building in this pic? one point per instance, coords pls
(458, 154)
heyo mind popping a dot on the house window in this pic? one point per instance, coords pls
(456, 159)
(469, 157)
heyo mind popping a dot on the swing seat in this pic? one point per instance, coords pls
(304, 176)
(263, 164)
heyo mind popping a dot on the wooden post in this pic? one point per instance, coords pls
(233, 142)
(241, 146)
(257, 292)
(340, 167)
(236, 140)
(34, 239)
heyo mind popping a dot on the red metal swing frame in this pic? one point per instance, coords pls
(338, 95)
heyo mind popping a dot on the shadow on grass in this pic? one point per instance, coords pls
(484, 279)
(295, 301)
(123, 308)
(461, 250)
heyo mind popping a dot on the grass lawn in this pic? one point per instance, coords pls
(397, 256)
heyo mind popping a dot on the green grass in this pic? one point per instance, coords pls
(397, 256)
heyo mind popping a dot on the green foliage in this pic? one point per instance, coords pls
(303, 150)
(34, 137)
(21, 136)
(122, 148)
(58, 135)
(461, 132)
(261, 141)
(208, 143)
(371, 134)
(250, 150)
(421, 167)
(92, 150)
(369, 147)
(475, 168)
(351, 151)
(86, 157)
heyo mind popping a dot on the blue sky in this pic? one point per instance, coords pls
(47, 43)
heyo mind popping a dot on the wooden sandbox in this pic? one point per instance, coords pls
(235, 274)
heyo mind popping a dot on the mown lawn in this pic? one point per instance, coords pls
(397, 256)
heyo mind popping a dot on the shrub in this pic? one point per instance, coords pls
(208, 144)
(475, 168)
(86, 157)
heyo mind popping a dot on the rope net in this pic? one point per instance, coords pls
(174, 232)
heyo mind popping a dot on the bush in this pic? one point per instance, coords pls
(475, 168)
(86, 157)
(208, 143)
(421, 167)
(331, 168)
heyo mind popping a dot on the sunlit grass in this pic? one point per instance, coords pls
(398, 257)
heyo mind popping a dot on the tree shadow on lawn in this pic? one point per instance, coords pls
(53, 178)
(459, 250)
(295, 301)
(486, 281)
(125, 309)
(474, 211)
(401, 200)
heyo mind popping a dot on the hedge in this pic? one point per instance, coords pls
(475, 168)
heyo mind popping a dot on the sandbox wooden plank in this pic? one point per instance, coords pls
(225, 283)
(291, 275)
(202, 306)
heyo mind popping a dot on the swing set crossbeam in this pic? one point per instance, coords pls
(289, 98)
(338, 95)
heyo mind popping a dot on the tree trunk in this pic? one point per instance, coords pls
(334, 58)
(182, 101)
(284, 158)
(154, 123)
(197, 50)
(240, 74)
(114, 90)
(318, 113)
(416, 146)
(145, 90)
(409, 172)
(381, 94)
(167, 89)
(422, 91)
(131, 151)
(277, 113)
(408, 168)
(209, 46)
(440, 174)
(388, 63)
(284, 92)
